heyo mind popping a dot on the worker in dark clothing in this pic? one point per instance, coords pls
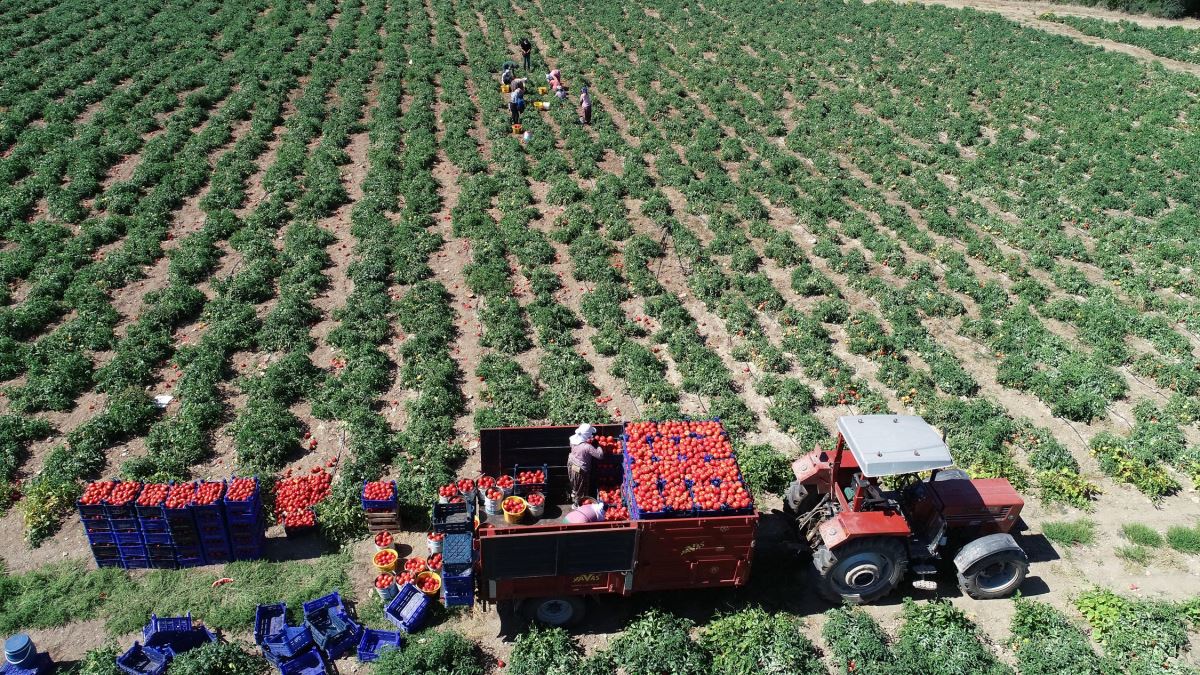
(526, 49)
(508, 76)
(579, 462)
(516, 104)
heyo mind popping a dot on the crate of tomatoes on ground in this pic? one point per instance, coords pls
(381, 505)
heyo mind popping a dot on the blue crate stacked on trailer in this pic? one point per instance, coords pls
(458, 575)
(214, 532)
(247, 527)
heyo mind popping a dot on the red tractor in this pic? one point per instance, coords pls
(864, 537)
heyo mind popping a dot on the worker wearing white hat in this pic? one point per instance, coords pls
(579, 464)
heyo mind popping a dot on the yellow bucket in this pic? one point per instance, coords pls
(426, 575)
(385, 566)
(516, 128)
(514, 518)
(537, 105)
(505, 89)
(543, 90)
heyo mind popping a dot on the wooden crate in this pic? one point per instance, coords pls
(378, 522)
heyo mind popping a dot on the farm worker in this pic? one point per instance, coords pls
(557, 85)
(526, 48)
(585, 105)
(507, 76)
(579, 463)
(516, 105)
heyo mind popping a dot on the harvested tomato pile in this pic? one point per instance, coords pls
(465, 485)
(123, 493)
(415, 565)
(536, 499)
(435, 562)
(380, 490)
(297, 495)
(209, 492)
(485, 482)
(383, 539)
(385, 581)
(513, 505)
(385, 557)
(531, 477)
(241, 489)
(181, 495)
(505, 482)
(153, 494)
(300, 519)
(96, 492)
(448, 491)
(683, 467)
(429, 584)
(611, 445)
(493, 494)
(437, 536)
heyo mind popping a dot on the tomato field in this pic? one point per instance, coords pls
(299, 241)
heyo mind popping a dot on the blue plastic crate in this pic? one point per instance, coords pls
(530, 488)
(457, 549)
(246, 539)
(217, 557)
(90, 511)
(160, 551)
(135, 563)
(163, 564)
(333, 600)
(176, 632)
(154, 526)
(97, 525)
(380, 504)
(458, 580)
(123, 510)
(332, 628)
(158, 538)
(101, 538)
(246, 553)
(408, 609)
(288, 642)
(375, 642)
(269, 620)
(133, 550)
(125, 524)
(103, 550)
(190, 561)
(308, 663)
(452, 518)
(128, 538)
(458, 599)
(141, 660)
(108, 562)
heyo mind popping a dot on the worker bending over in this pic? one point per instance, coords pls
(585, 106)
(557, 85)
(579, 463)
(508, 75)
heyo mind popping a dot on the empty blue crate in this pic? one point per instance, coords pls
(373, 643)
(458, 599)
(451, 518)
(289, 642)
(332, 628)
(408, 609)
(177, 633)
(308, 663)
(141, 660)
(458, 579)
(269, 620)
(457, 549)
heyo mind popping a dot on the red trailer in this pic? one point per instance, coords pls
(549, 566)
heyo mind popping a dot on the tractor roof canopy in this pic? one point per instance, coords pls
(887, 445)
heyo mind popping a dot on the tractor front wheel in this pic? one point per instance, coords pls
(861, 570)
(997, 576)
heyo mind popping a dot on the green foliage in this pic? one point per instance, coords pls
(858, 644)
(1047, 643)
(218, 658)
(658, 642)
(545, 651)
(55, 595)
(764, 468)
(1138, 636)
(1141, 534)
(433, 652)
(1080, 532)
(1184, 539)
(937, 638)
(754, 641)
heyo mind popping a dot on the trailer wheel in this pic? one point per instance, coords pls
(861, 570)
(558, 611)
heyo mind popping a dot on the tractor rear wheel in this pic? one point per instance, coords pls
(861, 570)
(998, 575)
